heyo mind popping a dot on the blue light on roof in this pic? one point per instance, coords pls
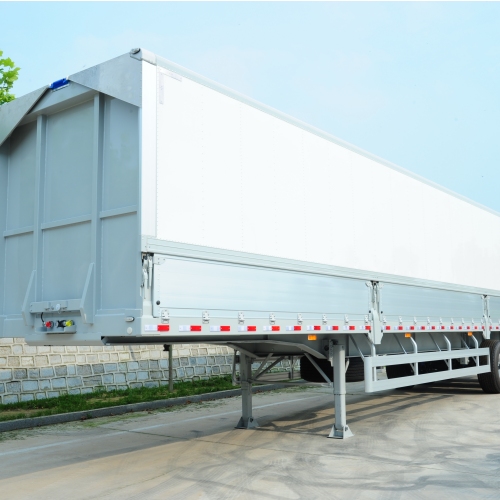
(59, 83)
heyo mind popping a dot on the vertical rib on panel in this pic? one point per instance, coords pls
(41, 142)
(3, 209)
(95, 245)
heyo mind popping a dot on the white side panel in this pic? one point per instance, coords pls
(233, 177)
(148, 150)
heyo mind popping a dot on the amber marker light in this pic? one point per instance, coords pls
(469, 334)
(312, 337)
(407, 335)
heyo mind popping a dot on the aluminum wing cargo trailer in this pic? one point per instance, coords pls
(143, 203)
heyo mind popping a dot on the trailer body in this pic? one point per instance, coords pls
(142, 203)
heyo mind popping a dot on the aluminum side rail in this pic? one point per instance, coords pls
(372, 384)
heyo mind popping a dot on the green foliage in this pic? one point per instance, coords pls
(102, 398)
(8, 75)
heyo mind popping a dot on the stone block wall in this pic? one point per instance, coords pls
(29, 372)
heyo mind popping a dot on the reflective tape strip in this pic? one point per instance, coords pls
(190, 328)
(271, 328)
(156, 328)
(294, 328)
(312, 328)
(246, 328)
(330, 328)
(215, 328)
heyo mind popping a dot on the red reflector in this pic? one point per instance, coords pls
(335, 327)
(275, 328)
(491, 327)
(412, 327)
(422, 327)
(460, 327)
(352, 327)
(387, 327)
(297, 328)
(452, 327)
(163, 328)
(251, 328)
(400, 327)
(317, 327)
(468, 327)
(368, 327)
(433, 327)
(442, 327)
(225, 328)
(195, 328)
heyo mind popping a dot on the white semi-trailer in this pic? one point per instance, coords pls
(142, 203)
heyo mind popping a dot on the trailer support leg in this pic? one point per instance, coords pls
(246, 421)
(340, 429)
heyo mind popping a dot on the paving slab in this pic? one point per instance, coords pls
(434, 441)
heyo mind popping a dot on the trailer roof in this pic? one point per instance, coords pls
(121, 78)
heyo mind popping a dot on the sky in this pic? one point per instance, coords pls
(416, 83)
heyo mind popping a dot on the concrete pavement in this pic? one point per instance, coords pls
(440, 441)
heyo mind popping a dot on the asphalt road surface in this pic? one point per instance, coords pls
(436, 441)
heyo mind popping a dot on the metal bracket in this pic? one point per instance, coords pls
(147, 271)
(87, 302)
(85, 306)
(320, 371)
(29, 319)
(165, 315)
(375, 334)
(241, 318)
(205, 317)
(272, 318)
(486, 317)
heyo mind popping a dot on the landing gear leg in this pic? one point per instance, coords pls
(340, 429)
(246, 421)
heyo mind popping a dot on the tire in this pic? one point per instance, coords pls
(399, 371)
(355, 370)
(490, 382)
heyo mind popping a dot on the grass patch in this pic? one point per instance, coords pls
(102, 398)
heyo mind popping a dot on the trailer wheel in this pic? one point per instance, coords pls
(355, 370)
(490, 382)
(398, 371)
